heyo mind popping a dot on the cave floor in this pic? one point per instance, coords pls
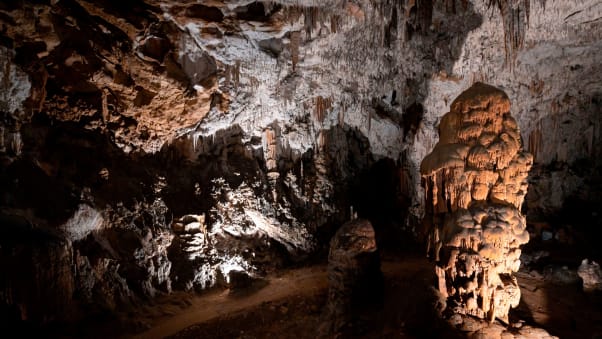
(290, 305)
(563, 310)
(308, 283)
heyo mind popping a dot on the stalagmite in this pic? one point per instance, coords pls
(475, 180)
(354, 276)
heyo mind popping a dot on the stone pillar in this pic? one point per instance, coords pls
(354, 276)
(475, 181)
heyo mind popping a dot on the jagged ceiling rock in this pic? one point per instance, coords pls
(154, 69)
(149, 71)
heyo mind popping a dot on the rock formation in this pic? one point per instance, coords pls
(354, 274)
(591, 275)
(475, 180)
(120, 118)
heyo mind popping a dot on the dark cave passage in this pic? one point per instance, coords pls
(377, 195)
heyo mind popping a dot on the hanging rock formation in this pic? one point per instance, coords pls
(475, 180)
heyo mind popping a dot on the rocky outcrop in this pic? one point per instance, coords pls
(591, 275)
(38, 282)
(480, 329)
(354, 275)
(243, 238)
(53, 275)
(475, 181)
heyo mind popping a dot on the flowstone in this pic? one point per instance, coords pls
(475, 180)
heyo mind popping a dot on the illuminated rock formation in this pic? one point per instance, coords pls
(475, 180)
(591, 275)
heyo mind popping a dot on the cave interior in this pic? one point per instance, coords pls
(301, 168)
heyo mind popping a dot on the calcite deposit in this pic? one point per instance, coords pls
(475, 180)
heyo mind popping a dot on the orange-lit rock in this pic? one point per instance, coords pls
(475, 180)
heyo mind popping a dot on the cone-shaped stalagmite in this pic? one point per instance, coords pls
(475, 180)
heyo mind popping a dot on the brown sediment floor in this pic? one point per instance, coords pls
(290, 306)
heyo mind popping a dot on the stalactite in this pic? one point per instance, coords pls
(232, 75)
(294, 48)
(535, 141)
(105, 106)
(450, 6)
(312, 17)
(227, 76)
(321, 140)
(418, 17)
(254, 84)
(271, 149)
(236, 74)
(515, 18)
(435, 191)
(321, 106)
(341, 117)
(335, 23)
(292, 13)
(195, 139)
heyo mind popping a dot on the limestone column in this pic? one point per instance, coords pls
(475, 181)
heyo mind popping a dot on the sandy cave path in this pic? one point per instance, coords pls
(303, 281)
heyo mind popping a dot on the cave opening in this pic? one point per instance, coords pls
(377, 195)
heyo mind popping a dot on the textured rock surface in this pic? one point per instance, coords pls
(173, 59)
(591, 275)
(354, 275)
(123, 117)
(498, 331)
(475, 181)
(477, 328)
(38, 283)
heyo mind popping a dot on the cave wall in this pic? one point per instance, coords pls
(248, 124)
(219, 65)
(553, 82)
